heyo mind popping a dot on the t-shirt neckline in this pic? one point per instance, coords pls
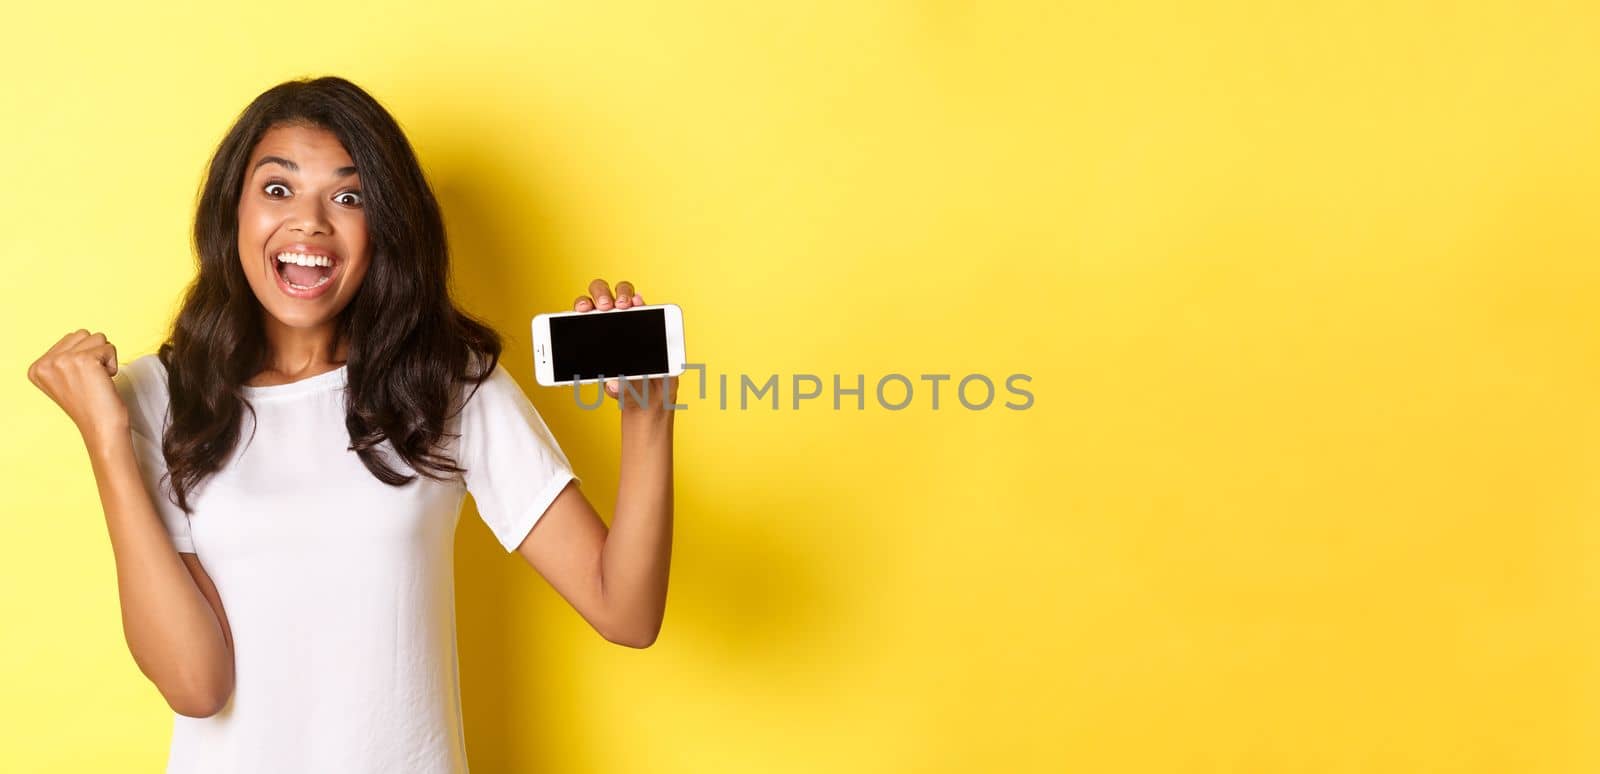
(328, 380)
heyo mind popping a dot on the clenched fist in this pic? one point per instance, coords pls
(76, 374)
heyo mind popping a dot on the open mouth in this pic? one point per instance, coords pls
(304, 275)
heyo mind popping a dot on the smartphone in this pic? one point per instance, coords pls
(581, 347)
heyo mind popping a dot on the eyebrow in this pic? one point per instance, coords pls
(293, 167)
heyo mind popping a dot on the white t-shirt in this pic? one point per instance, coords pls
(339, 588)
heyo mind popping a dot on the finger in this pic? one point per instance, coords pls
(107, 355)
(624, 291)
(611, 385)
(67, 341)
(89, 343)
(638, 300)
(623, 302)
(583, 304)
(602, 294)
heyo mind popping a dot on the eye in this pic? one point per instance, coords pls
(268, 189)
(354, 198)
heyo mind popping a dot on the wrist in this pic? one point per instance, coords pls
(647, 419)
(104, 439)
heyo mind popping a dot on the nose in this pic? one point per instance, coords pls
(309, 217)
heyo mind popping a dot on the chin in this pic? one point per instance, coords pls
(299, 319)
(290, 316)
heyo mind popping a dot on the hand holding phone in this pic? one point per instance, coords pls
(604, 339)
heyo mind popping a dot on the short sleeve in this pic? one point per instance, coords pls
(514, 467)
(142, 386)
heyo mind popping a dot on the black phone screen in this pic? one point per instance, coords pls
(608, 344)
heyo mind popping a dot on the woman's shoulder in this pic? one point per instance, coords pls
(144, 373)
(481, 376)
(497, 398)
(142, 383)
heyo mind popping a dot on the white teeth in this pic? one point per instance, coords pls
(319, 284)
(305, 260)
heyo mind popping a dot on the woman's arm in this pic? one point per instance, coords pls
(171, 615)
(638, 552)
(617, 578)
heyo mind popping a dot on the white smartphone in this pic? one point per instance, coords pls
(582, 347)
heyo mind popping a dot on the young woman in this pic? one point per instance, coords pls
(283, 478)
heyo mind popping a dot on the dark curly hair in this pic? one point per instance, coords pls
(408, 347)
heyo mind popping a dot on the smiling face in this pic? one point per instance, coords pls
(302, 229)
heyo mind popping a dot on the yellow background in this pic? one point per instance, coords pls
(1307, 293)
